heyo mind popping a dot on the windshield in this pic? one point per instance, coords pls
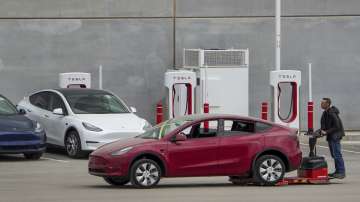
(6, 108)
(95, 104)
(159, 131)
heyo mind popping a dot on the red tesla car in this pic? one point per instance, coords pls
(201, 145)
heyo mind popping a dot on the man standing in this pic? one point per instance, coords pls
(332, 128)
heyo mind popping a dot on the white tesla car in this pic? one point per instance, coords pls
(82, 119)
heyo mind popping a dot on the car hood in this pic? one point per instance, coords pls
(15, 123)
(117, 122)
(121, 144)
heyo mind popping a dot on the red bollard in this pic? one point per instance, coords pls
(264, 111)
(159, 112)
(206, 111)
(206, 108)
(310, 109)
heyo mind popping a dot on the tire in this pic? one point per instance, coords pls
(268, 170)
(145, 173)
(33, 156)
(116, 181)
(73, 145)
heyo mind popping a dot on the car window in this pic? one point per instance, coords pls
(56, 102)
(153, 133)
(41, 100)
(261, 127)
(240, 127)
(200, 130)
(161, 130)
(96, 104)
(6, 108)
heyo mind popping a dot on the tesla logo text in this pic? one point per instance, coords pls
(76, 79)
(182, 78)
(287, 76)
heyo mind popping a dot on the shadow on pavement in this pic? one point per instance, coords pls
(165, 186)
(61, 151)
(203, 185)
(15, 158)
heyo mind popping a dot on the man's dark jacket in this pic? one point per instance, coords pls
(332, 124)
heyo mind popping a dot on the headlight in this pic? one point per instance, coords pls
(121, 151)
(91, 127)
(147, 125)
(38, 128)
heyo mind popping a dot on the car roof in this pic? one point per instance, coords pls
(201, 117)
(72, 91)
(218, 116)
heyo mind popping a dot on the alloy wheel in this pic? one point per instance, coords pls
(147, 174)
(72, 145)
(271, 170)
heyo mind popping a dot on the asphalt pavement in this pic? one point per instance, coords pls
(57, 178)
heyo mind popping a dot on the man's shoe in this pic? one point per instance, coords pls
(339, 175)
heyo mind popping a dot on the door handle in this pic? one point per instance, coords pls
(46, 116)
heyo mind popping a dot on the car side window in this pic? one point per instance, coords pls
(41, 100)
(204, 129)
(238, 127)
(56, 102)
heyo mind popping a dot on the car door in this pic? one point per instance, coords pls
(196, 156)
(239, 143)
(39, 110)
(56, 124)
(38, 103)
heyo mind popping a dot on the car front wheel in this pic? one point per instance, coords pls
(73, 145)
(145, 173)
(268, 170)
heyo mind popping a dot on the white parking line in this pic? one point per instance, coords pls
(344, 150)
(57, 160)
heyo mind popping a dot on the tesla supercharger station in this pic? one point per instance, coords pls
(180, 85)
(75, 80)
(222, 79)
(286, 88)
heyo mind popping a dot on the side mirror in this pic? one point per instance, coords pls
(133, 109)
(22, 111)
(179, 137)
(58, 111)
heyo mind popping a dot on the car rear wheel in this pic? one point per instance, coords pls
(73, 144)
(145, 173)
(116, 181)
(33, 156)
(268, 170)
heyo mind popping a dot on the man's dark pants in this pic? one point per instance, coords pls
(335, 150)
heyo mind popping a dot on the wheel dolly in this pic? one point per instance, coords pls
(313, 169)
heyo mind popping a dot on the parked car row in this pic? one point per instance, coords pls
(127, 149)
(80, 120)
